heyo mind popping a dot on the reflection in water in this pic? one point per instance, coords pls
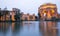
(48, 28)
(15, 28)
(4, 28)
(29, 28)
(10, 29)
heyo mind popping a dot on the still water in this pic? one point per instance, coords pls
(30, 28)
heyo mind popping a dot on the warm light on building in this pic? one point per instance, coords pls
(47, 11)
(4, 15)
(28, 17)
(8, 15)
(12, 15)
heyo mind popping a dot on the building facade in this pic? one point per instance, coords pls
(28, 17)
(15, 14)
(47, 11)
(4, 15)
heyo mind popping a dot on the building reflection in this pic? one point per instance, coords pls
(4, 26)
(48, 28)
(10, 28)
(16, 28)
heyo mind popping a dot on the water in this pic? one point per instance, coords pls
(30, 28)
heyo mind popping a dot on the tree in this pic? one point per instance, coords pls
(17, 17)
(39, 15)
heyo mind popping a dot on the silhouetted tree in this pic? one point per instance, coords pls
(39, 15)
(36, 17)
(17, 17)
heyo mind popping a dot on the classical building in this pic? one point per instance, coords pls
(15, 14)
(47, 11)
(28, 17)
(4, 15)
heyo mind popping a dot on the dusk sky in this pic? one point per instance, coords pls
(27, 6)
